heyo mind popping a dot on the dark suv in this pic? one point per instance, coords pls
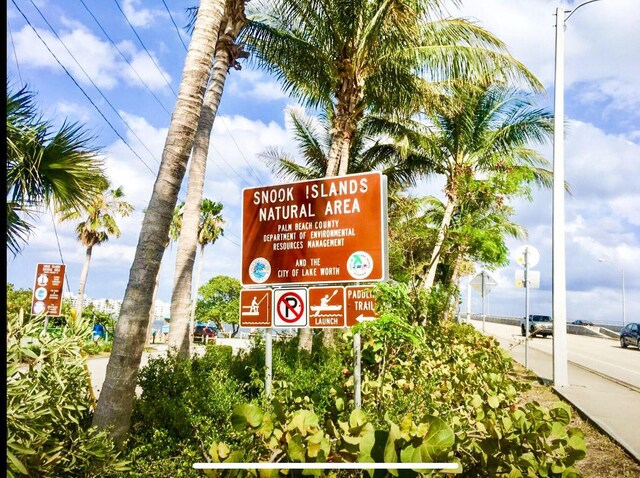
(630, 335)
(538, 325)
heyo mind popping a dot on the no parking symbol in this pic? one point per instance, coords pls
(290, 307)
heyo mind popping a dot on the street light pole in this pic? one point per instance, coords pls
(559, 285)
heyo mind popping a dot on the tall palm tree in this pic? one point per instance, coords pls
(45, 166)
(98, 225)
(116, 398)
(486, 129)
(227, 54)
(353, 56)
(209, 230)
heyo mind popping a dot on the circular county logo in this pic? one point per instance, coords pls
(259, 270)
(41, 293)
(359, 265)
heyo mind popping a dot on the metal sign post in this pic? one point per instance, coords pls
(526, 307)
(357, 375)
(268, 359)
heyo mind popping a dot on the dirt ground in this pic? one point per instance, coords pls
(605, 458)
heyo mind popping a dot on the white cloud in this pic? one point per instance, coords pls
(98, 58)
(254, 84)
(140, 17)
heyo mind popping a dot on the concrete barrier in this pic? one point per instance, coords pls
(592, 331)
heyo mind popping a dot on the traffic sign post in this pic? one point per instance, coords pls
(484, 284)
(290, 308)
(325, 231)
(527, 256)
(326, 306)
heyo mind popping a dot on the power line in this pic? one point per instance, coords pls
(145, 48)
(230, 167)
(125, 58)
(80, 88)
(255, 175)
(15, 55)
(92, 82)
(174, 24)
(55, 231)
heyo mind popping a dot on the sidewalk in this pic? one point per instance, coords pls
(613, 407)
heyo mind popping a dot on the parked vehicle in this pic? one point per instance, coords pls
(541, 325)
(630, 335)
(581, 322)
(204, 333)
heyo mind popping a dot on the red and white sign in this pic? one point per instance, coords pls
(47, 289)
(290, 307)
(322, 231)
(361, 305)
(326, 306)
(255, 308)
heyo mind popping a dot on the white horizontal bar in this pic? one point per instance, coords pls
(327, 466)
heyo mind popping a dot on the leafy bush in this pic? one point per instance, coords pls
(184, 405)
(48, 415)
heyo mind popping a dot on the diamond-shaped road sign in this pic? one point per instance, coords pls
(489, 283)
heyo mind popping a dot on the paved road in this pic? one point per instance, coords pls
(612, 403)
(604, 356)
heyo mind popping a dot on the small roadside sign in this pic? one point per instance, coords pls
(290, 307)
(483, 283)
(47, 289)
(529, 253)
(255, 308)
(533, 277)
(326, 307)
(361, 304)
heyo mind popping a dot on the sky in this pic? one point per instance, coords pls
(124, 61)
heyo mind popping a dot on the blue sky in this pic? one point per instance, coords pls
(602, 148)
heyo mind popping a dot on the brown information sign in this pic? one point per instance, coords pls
(255, 308)
(47, 289)
(361, 305)
(326, 306)
(321, 231)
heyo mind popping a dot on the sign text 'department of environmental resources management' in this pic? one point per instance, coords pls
(321, 231)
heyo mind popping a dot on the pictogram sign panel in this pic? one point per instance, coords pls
(361, 304)
(290, 307)
(326, 306)
(255, 308)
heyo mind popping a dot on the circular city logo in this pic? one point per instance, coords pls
(259, 270)
(41, 293)
(360, 265)
(38, 307)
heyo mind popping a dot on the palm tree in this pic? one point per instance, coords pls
(209, 230)
(98, 226)
(174, 233)
(116, 399)
(226, 56)
(483, 130)
(356, 56)
(45, 167)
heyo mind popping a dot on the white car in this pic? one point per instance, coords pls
(538, 325)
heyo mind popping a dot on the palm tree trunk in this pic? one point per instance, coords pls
(180, 332)
(152, 309)
(442, 232)
(83, 282)
(194, 302)
(116, 399)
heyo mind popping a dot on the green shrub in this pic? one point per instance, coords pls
(48, 415)
(184, 405)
